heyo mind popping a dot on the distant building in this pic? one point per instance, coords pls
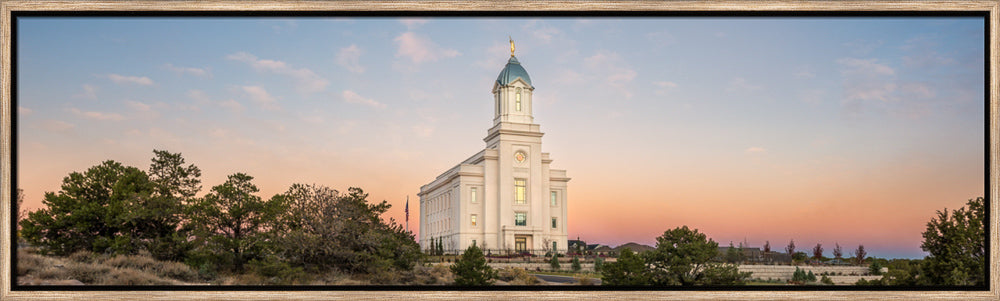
(505, 196)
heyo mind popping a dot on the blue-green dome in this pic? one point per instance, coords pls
(511, 72)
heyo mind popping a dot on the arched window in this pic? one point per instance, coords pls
(517, 100)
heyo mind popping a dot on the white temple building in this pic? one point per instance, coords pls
(505, 197)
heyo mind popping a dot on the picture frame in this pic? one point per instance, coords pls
(9, 9)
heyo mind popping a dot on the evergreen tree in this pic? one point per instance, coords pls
(554, 263)
(629, 269)
(575, 265)
(471, 269)
(957, 246)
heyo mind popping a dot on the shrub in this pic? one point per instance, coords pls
(278, 272)
(176, 270)
(132, 262)
(29, 263)
(89, 273)
(516, 276)
(811, 277)
(83, 256)
(598, 264)
(584, 280)
(826, 280)
(471, 268)
(575, 265)
(132, 277)
(554, 263)
(875, 268)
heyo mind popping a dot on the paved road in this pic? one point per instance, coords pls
(563, 279)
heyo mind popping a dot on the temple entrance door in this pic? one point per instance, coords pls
(521, 243)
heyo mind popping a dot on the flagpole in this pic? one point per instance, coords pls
(407, 213)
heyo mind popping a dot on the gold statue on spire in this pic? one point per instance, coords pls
(511, 45)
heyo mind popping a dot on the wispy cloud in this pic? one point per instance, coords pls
(540, 30)
(349, 58)
(24, 111)
(306, 80)
(259, 95)
(420, 49)
(57, 126)
(97, 115)
(618, 72)
(412, 24)
(740, 84)
(755, 149)
(664, 87)
(232, 105)
(138, 106)
(89, 92)
(199, 72)
(352, 97)
(136, 80)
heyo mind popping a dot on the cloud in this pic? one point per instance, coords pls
(617, 70)
(740, 84)
(862, 47)
(664, 87)
(539, 30)
(23, 111)
(89, 92)
(423, 130)
(122, 80)
(418, 49)
(261, 96)
(348, 57)
(57, 126)
(97, 115)
(198, 95)
(805, 74)
(413, 23)
(755, 149)
(867, 79)
(138, 106)
(869, 66)
(351, 97)
(232, 105)
(199, 72)
(306, 80)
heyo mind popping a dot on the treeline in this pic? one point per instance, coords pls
(307, 230)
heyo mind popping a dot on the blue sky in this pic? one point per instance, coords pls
(822, 130)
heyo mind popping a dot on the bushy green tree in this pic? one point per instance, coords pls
(682, 257)
(629, 269)
(903, 272)
(575, 264)
(322, 229)
(554, 262)
(90, 212)
(471, 269)
(826, 280)
(598, 264)
(799, 256)
(159, 221)
(957, 246)
(230, 222)
(875, 268)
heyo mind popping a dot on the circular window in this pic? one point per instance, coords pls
(520, 156)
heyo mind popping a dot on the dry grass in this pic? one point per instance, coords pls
(94, 269)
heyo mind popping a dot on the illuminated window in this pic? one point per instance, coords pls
(554, 246)
(517, 100)
(473, 195)
(553, 198)
(473, 219)
(520, 219)
(554, 223)
(519, 191)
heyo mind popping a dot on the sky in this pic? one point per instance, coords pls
(849, 131)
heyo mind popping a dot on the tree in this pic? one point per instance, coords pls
(322, 229)
(957, 246)
(837, 252)
(860, 254)
(732, 255)
(230, 221)
(157, 220)
(790, 249)
(767, 247)
(682, 257)
(799, 256)
(471, 269)
(629, 269)
(554, 263)
(875, 268)
(89, 212)
(575, 264)
(598, 264)
(818, 251)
